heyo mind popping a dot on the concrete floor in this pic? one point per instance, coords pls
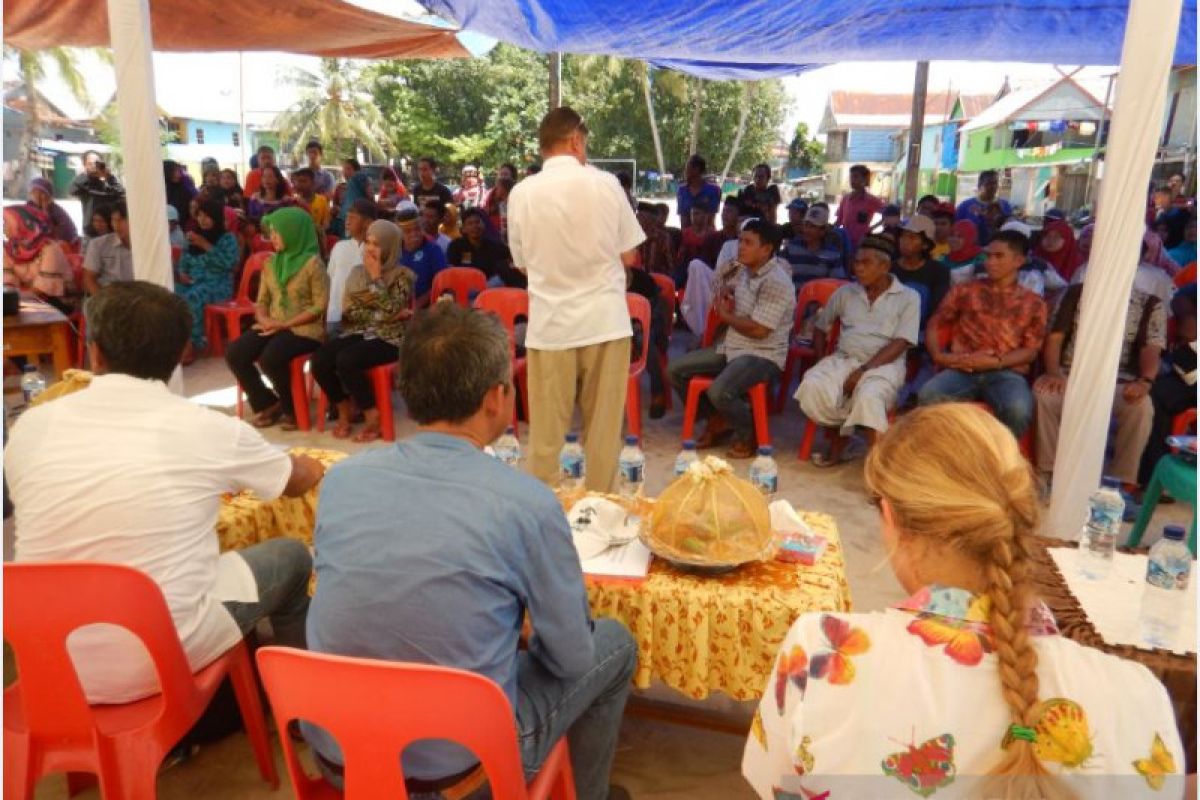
(656, 760)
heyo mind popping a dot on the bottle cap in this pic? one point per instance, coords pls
(766, 450)
(631, 440)
(1110, 483)
(572, 438)
(689, 444)
(1174, 532)
(510, 431)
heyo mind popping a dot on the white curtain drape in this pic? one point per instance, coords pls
(1141, 90)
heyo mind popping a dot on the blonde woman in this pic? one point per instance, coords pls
(965, 690)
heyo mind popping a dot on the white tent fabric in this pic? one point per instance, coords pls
(1141, 91)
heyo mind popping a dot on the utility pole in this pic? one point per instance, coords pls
(916, 132)
(555, 80)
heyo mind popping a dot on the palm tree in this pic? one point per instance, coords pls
(31, 68)
(332, 109)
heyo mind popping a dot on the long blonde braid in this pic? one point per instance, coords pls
(954, 476)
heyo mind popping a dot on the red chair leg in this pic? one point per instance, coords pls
(806, 444)
(300, 394)
(245, 688)
(758, 405)
(691, 407)
(381, 379)
(633, 406)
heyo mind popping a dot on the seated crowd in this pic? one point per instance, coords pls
(950, 304)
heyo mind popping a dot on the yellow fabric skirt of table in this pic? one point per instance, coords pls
(697, 633)
(700, 633)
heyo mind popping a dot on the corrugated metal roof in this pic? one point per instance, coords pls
(868, 109)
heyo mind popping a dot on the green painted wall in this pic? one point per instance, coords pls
(973, 158)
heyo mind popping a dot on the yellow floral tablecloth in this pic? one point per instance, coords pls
(701, 633)
(245, 519)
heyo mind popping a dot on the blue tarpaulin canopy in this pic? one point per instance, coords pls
(751, 39)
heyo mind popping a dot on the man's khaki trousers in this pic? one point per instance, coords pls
(596, 377)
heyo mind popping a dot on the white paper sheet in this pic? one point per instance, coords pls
(1114, 604)
(631, 560)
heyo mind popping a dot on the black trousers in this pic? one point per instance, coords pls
(341, 365)
(274, 355)
(1171, 396)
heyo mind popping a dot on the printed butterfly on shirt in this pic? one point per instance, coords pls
(966, 642)
(924, 769)
(793, 667)
(845, 641)
(1158, 766)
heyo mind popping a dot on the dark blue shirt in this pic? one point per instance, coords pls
(431, 551)
(426, 261)
(709, 196)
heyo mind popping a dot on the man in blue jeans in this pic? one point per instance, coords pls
(754, 300)
(432, 551)
(996, 328)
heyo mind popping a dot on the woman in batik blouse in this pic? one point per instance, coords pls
(965, 689)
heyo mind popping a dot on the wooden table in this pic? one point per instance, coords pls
(1177, 672)
(40, 329)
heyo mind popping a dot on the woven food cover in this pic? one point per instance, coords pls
(709, 517)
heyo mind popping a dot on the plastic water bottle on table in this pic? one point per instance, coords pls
(1098, 540)
(1168, 570)
(631, 468)
(764, 472)
(508, 448)
(687, 456)
(571, 467)
(33, 382)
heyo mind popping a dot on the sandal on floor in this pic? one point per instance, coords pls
(288, 423)
(265, 419)
(367, 435)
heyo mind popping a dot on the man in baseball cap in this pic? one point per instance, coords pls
(915, 267)
(814, 251)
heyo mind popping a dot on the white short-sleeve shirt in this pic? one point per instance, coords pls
(567, 228)
(126, 472)
(345, 256)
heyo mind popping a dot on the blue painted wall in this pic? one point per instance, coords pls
(949, 146)
(214, 132)
(870, 144)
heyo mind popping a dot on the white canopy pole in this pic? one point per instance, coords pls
(1141, 91)
(145, 191)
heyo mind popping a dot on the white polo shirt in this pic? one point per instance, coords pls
(345, 256)
(567, 228)
(127, 472)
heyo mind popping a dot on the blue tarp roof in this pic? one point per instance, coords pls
(750, 39)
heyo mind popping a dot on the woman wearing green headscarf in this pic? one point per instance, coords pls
(376, 308)
(289, 319)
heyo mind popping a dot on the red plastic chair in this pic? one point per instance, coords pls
(48, 724)
(509, 305)
(639, 311)
(666, 292)
(461, 282)
(698, 386)
(800, 357)
(223, 321)
(176, 254)
(261, 244)
(302, 384)
(375, 709)
(330, 241)
(810, 427)
(382, 378)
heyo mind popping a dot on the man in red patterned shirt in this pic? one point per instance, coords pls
(996, 328)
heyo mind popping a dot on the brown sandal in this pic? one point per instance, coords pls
(267, 418)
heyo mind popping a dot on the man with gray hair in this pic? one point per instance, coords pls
(453, 548)
(571, 230)
(126, 472)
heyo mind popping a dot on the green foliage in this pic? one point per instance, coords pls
(805, 153)
(486, 110)
(333, 109)
(108, 131)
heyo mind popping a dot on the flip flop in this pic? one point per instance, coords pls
(367, 435)
(266, 419)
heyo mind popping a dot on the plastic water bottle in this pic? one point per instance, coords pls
(1098, 541)
(1168, 568)
(508, 448)
(764, 472)
(631, 466)
(32, 382)
(687, 456)
(571, 468)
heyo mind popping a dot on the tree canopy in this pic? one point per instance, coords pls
(486, 110)
(805, 153)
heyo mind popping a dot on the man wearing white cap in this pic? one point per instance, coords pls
(915, 268)
(880, 319)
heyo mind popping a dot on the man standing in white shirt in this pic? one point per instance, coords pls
(345, 256)
(570, 228)
(126, 472)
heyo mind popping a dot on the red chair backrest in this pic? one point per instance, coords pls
(815, 292)
(639, 311)
(44, 603)
(459, 280)
(261, 244)
(666, 291)
(375, 709)
(254, 265)
(1184, 423)
(508, 304)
